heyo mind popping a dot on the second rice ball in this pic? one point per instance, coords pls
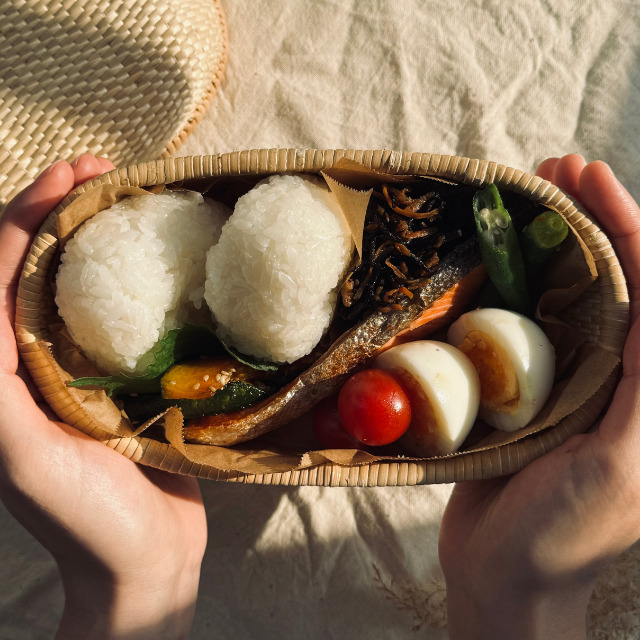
(272, 278)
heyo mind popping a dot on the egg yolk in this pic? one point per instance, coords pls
(424, 423)
(499, 388)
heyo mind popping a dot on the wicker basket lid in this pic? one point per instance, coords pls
(118, 78)
(601, 312)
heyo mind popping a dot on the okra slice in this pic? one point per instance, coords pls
(500, 248)
(541, 237)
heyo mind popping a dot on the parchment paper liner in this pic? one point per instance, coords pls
(600, 313)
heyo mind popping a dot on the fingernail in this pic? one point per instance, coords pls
(50, 168)
(83, 157)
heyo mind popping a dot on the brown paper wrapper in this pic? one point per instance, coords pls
(586, 364)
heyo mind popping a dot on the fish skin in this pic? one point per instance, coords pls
(348, 353)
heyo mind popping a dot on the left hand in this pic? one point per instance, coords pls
(128, 539)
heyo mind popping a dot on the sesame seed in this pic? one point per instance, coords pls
(196, 385)
(206, 377)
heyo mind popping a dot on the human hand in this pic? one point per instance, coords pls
(128, 540)
(521, 554)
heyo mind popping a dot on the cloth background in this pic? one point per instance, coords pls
(510, 82)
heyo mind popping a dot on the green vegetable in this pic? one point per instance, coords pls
(232, 397)
(194, 341)
(489, 297)
(541, 238)
(177, 345)
(162, 356)
(244, 359)
(120, 384)
(500, 249)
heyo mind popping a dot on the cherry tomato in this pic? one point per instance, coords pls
(328, 429)
(373, 407)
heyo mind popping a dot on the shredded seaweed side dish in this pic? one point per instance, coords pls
(407, 232)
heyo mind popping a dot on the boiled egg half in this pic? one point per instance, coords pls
(515, 362)
(444, 391)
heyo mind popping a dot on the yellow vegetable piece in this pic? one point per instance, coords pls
(200, 379)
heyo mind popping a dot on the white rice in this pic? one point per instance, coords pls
(272, 278)
(135, 271)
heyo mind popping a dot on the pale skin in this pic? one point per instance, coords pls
(520, 554)
(128, 540)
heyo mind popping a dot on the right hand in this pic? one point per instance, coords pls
(521, 554)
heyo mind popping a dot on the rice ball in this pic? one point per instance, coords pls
(133, 272)
(272, 278)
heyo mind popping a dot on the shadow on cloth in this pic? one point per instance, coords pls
(291, 562)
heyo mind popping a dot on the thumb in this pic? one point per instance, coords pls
(22, 218)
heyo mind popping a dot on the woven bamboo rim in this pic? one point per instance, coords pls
(118, 78)
(602, 311)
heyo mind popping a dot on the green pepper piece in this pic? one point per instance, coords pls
(500, 249)
(541, 238)
(233, 396)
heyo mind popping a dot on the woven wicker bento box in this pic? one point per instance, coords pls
(600, 312)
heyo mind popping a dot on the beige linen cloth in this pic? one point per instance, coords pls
(512, 82)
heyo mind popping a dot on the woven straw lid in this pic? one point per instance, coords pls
(126, 79)
(601, 312)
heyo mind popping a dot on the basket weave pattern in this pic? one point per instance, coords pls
(601, 311)
(117, 78)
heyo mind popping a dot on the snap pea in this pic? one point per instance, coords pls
(500, 248)
(541, 238)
